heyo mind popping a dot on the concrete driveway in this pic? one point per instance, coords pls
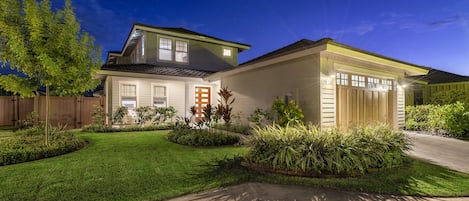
(448, 152)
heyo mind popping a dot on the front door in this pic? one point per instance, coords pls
(202, 98)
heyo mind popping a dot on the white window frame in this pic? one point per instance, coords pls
(121, 85)
(342, 79)
(170, 49)
(373, 83)
(176, 51)
(227, 52)
(153, 95)
(358, 81)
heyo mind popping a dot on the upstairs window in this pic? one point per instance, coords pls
(341, 79)
(227, 52)
(165, 50)
(159, 96)
(181, 51)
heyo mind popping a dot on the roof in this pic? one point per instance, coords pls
(156, 70)
(304, 44)
(186, 31)
(438, 76)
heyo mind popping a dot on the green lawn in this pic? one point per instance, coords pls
(144, 166)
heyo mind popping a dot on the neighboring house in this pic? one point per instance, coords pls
(334, 84)
(423, 87)
(165, 67)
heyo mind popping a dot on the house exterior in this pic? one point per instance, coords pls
(334, 84)
(164, 67)
(422, 88)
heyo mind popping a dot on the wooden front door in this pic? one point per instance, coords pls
(202, 98)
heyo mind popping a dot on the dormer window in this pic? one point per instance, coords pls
(227, 52)
(181, 51)
(165, 50)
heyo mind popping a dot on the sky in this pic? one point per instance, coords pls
(433, 33)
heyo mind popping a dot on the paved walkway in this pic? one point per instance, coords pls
(447, 152)
(264, 191)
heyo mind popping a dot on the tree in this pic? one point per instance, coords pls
(49, 48)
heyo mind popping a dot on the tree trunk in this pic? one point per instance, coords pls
(46, 134)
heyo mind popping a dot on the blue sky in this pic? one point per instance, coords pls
(430, 33)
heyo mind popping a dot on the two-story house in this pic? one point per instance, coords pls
(163, 67)
(334, 84)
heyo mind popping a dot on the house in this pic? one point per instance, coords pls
(333, 83)
(423, 87)
(164, 67)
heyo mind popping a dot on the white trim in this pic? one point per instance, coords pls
(153, 85)
(121, 83)
(145, 75)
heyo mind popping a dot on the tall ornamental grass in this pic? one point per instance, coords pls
(329, 151)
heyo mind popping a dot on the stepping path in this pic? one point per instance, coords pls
(448, 152)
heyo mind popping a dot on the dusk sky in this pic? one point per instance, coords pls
(430, 33)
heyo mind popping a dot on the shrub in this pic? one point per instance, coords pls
(131, 128)
(224, 107)
(261, 117)
(201, 137)
(27, 145)
(451, 119)
(448, 97)
(287, 114)
(118, 117)
(332, 151)
(144, 114)
(236, 128)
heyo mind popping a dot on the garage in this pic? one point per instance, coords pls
(363, 99)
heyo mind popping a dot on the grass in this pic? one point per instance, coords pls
(145, 166)
(5, 131)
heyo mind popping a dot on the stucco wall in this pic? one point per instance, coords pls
(258, 88)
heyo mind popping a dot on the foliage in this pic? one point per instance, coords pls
(164, 113)
(98, 116)
(208, 112)
(235, 128)
(451, 119)
(224, 107)
(32, 119)
(49, 48)
(144, 114)
(287, 114)
(151, 168)
(130, 128)
(201, 137)
(26, 145)
(448, 97)
(261, 117)
(332, 151)
(118, 117)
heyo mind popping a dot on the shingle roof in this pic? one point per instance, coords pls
(156, 70)
(185, 31)
(435, 76)
(302, 44)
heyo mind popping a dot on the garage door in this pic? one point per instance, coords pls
(363, 99)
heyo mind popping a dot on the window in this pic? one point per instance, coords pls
(226, 52)
(386, 84)
(358, 81)
(129, 97)
(159, 96)
(181, 51)
(373, 83)
(165, 50)
(342, 79)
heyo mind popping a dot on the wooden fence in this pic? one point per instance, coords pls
(74, 112)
